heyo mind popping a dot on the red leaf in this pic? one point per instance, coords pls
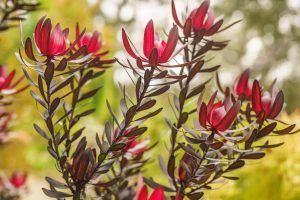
(277, 105)
(203, 115)
(127, 45)
(256, 97)
(175, 16)
(229, 117)
(148, 39)
(171, 45)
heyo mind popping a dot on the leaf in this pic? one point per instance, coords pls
(41, 87)
(147, 105)
(77, 134)
(151, 114)
(216, 145)
(161, 75)
(78, 53)
(162, 165)
(189, 150)
(159, 91)
(130, 114)
(236, 165)
(212, 30)
(52, 152)
(212, 69)
(108, 132)
(55, 194)
(184, 117)
(231, 178)
(117, 147)
(153, 184)
(88, 94)
(196, 69)
(269, 145)
(109, 183)
(49, 73)
(266, 130)
(54, 105)
(112, 113)
(205, 48)
(40, 131)
(175, 16)
(86, 113)
(55, 183)
(253, 155)
(62, 65)
(182, 96)
(286, 130)
(29, 50)
(195, 91)
(138, 87)
(38, 99)
(171, 166)
(62, 85)
(136, 132)
(250, 141)
(195, 196)
(147, 77)
(29, 78)
(88, 76)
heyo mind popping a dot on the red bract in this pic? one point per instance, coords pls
(218, 116)
(6, 85)
(269, 105)
(200, 19)
(157, 194)
(50, 42)
(92, 41)
(242, 87)
(17, 179)
(142, 191)
(160, 51)
(127, 131)
(135, 147)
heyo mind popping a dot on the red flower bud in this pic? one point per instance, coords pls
(6, 85)
(157, 194)
(50, 42)
(92, 41)
(202, 19)
(142, 192)
(270, 105)
(135, 147)
(17, 179)
(152, 45)
(218, 116)
(243, 86)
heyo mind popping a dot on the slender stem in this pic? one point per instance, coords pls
(71, 124)
(77, 195)
(178, 124)
(138, 104)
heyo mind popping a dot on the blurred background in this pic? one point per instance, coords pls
(266, 41)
